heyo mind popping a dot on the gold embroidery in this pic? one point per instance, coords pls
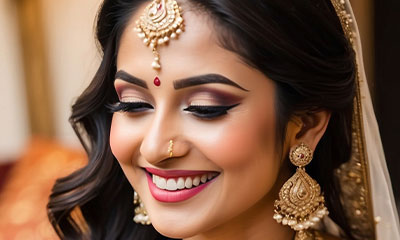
(353, 175)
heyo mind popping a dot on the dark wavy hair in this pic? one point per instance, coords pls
(299, 44)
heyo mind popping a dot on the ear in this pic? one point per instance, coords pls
(308, 127)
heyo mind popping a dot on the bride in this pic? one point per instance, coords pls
(227, 120)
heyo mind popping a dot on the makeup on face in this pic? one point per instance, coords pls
(205, 79)
(181, 83)
(220, 114)
(177, 185)
(200, 100)
(131, 79)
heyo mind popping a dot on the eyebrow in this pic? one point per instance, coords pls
(182, 83)
(121, 74)
(205, 79)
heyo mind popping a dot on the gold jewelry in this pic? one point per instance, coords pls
(140, 211)
(170, 148)
(300, 203)
(161, 21)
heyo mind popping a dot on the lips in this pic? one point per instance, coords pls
(176, 173)
(177, 185)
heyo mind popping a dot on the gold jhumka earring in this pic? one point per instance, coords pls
(161, 21)
(140, 211)
(300, 203)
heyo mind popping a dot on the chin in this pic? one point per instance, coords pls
(172, 231)
(180, 231)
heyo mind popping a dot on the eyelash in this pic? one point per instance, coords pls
(209, 112)
(200, 111)
(133, 107)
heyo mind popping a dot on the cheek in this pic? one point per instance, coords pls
(245, 142)
(124, 140)
(245, 151)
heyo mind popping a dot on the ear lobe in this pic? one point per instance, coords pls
(314, 125)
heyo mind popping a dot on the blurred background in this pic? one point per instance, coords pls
(47, 58)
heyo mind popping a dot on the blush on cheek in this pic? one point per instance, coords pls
(123, 139)
(240, 143)
(233, 147)
(115, 139)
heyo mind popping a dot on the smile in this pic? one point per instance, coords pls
(177, 185)
(173, 184)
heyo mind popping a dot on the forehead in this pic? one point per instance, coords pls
(195, 52)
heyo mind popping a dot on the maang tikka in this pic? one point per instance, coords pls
(161, 21)
(300, 203)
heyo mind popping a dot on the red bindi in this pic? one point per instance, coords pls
(157, 81)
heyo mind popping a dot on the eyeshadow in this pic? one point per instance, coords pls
(219, 96)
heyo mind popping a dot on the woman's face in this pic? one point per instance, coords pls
(232, 144)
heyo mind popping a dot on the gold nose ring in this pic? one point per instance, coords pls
(170, 148)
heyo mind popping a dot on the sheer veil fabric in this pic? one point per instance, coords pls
(366, 188)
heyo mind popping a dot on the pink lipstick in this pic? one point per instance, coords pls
(177, 185)
(175, 173)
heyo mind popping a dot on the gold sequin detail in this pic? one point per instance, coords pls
(353, 175)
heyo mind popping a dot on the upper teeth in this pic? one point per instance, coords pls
(173, 184)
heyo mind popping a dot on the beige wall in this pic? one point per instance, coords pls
(72, 60)
(72, 55)
(13, 121)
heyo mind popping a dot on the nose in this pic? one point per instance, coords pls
(163, 139)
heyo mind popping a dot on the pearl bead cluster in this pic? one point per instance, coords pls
(141, 215)
(299, 224)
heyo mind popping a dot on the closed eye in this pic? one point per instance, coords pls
(129, 107)
(209, 112)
